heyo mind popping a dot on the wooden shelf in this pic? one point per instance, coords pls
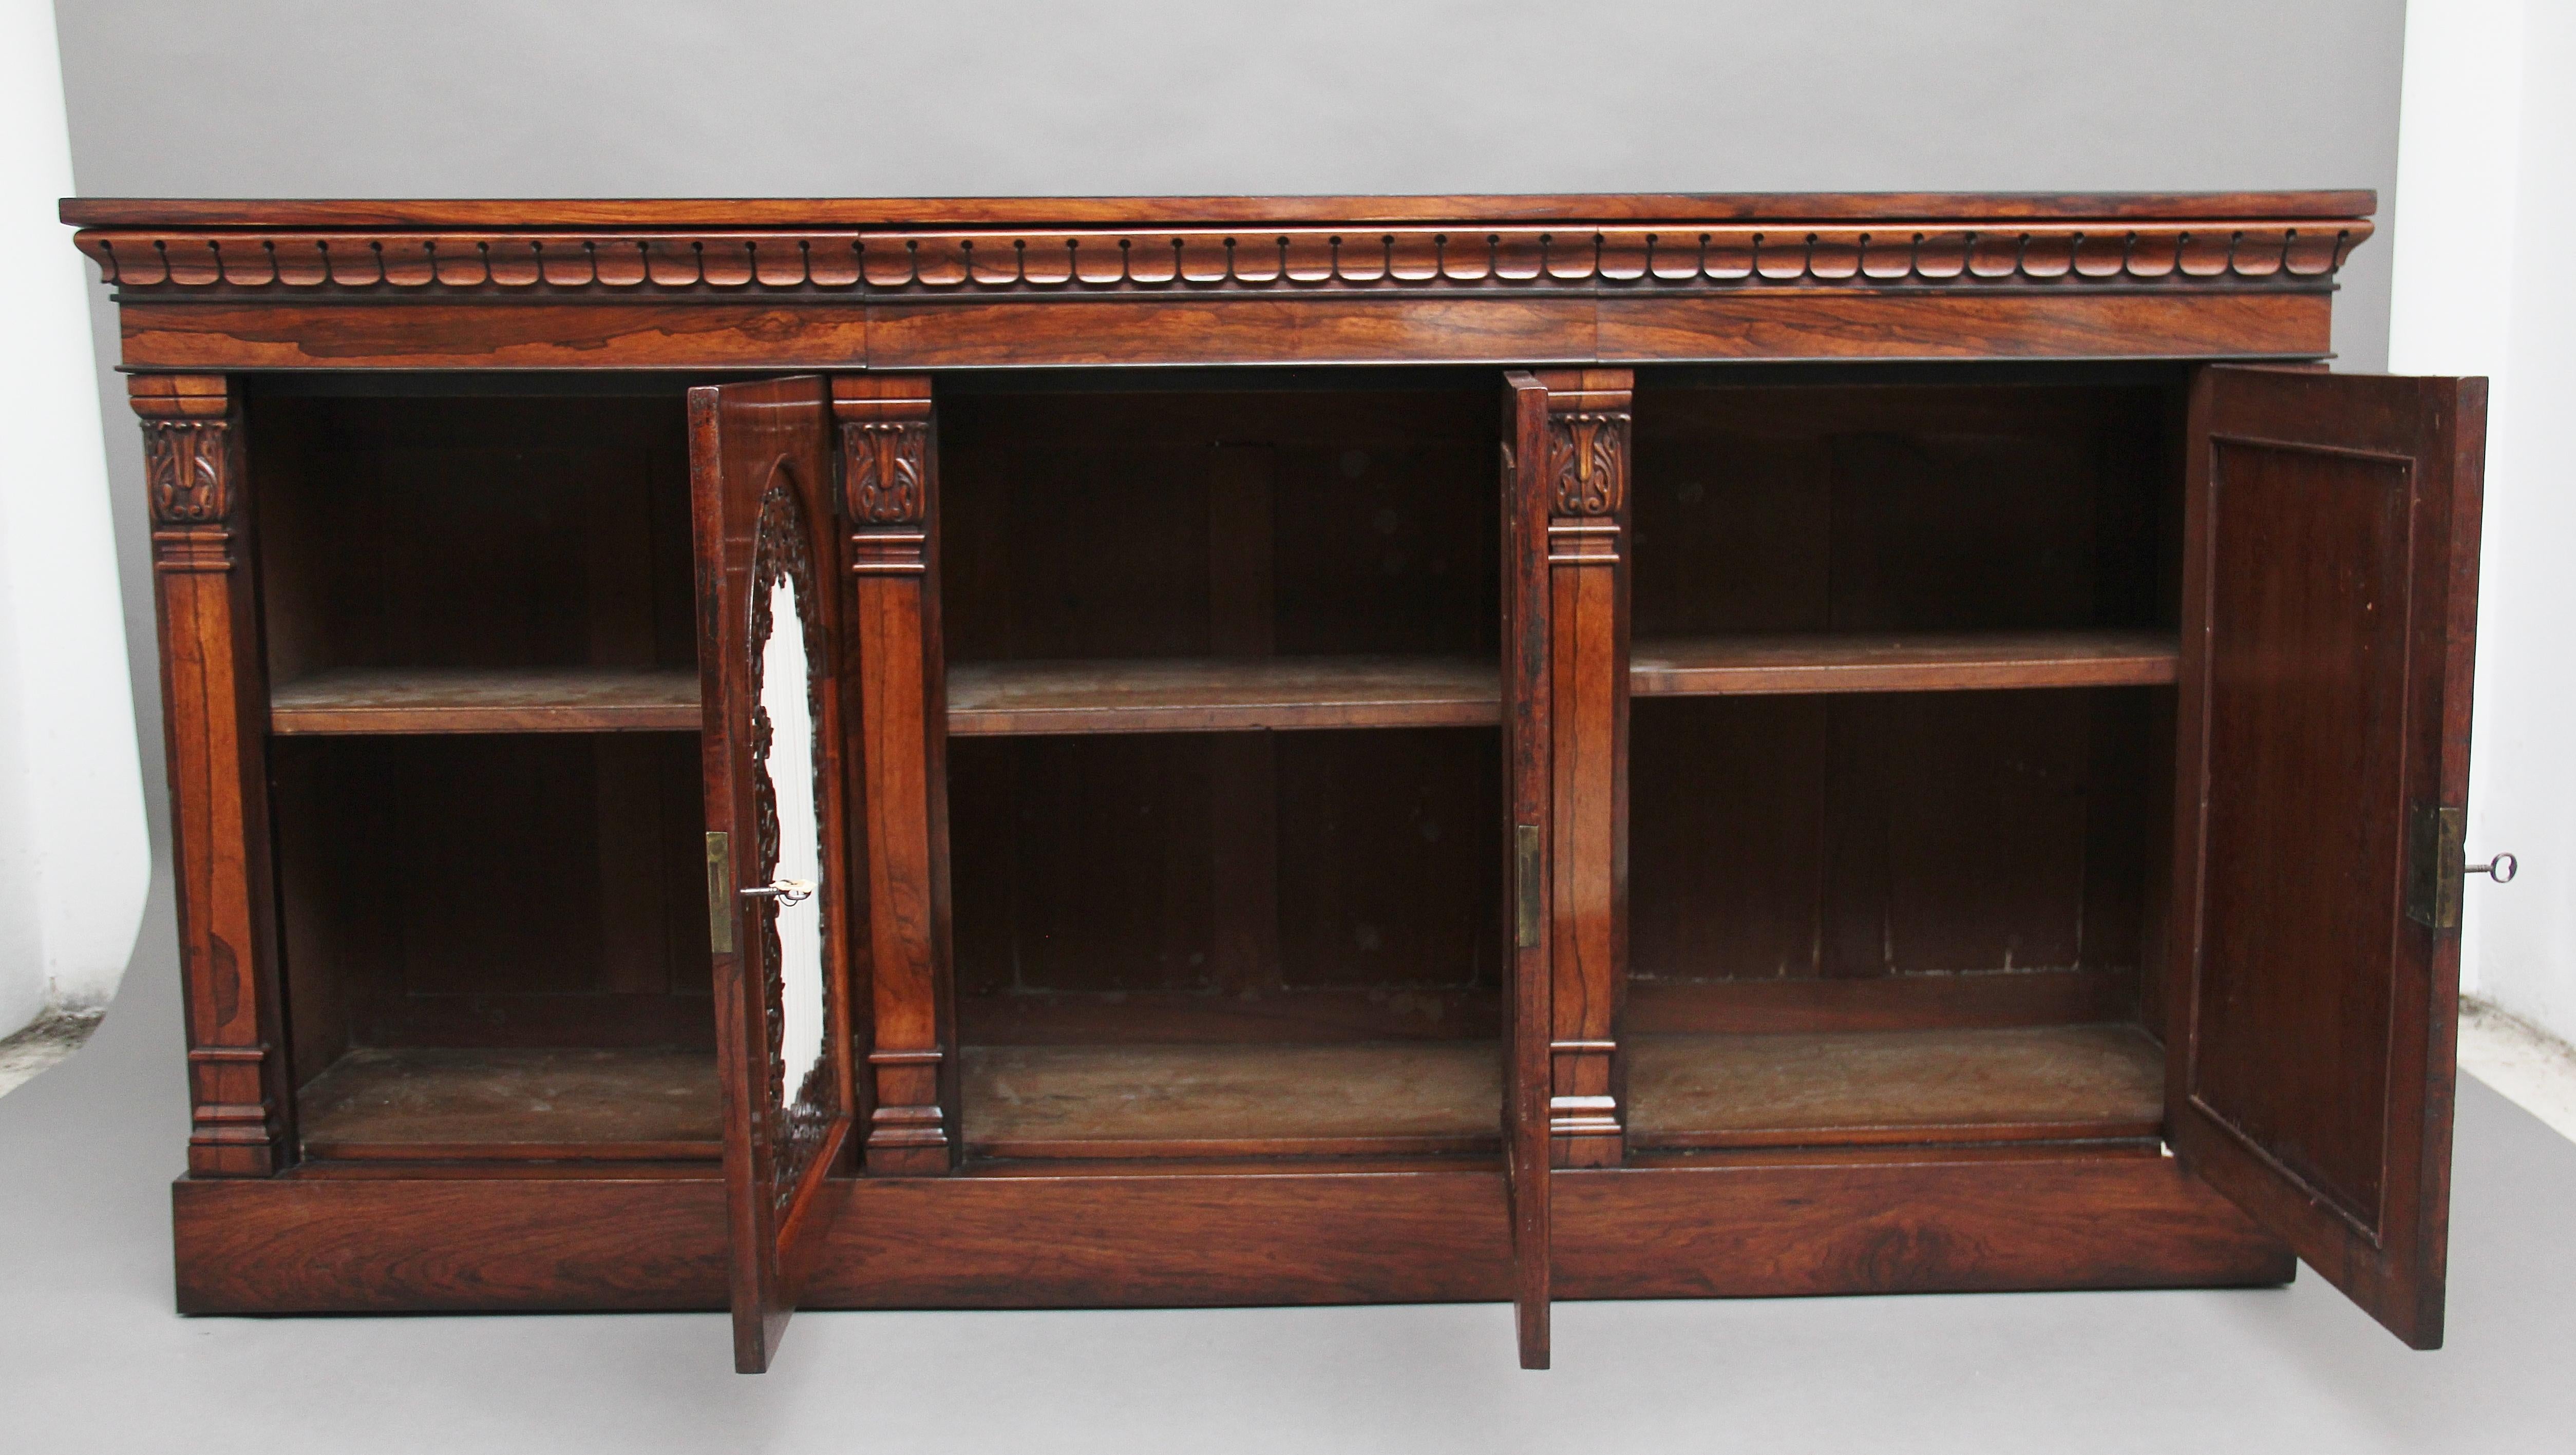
(448, 1105)
(1900, 662)
(2047, 1083)
(1199, 695)
(1216, 1101)
(497, 700)
(1168, 695)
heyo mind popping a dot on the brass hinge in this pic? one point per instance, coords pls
(1526, 885)
(720, 905)
(2437, 860)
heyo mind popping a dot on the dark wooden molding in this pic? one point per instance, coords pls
(577, 214)
(1459, 253)
(215, 710)
(912, 285)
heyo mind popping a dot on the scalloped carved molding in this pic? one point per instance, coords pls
(1070, 264)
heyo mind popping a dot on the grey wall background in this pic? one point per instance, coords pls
(272, 98)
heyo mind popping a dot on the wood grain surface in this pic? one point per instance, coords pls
(2329, 630)
(1529, 901)
(1207, 1100)
(2042, 1082)
(1248, 1013)
(1024, 211)
(1203, 695)
(213, 695)
(1235, 931)
(527, 890)
(1821, 1005)
(498, 1103)
(1901, 662)
(1730, 1224)
(1153, 329)
(493, 700)
(1766, 1226)
(894, 667)
(764, 493)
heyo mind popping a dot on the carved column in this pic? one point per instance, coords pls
(890, 505)
(214, 697)
(1587, 558)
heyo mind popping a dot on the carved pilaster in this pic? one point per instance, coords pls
(1587, 457)
(1587, 467)
(889, 501)
(214, 709)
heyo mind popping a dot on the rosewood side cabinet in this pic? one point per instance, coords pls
(1074, 752)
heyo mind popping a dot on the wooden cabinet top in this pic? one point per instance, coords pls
(981, 282)
(803, 212)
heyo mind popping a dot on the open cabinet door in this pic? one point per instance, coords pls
(760, 481)
(2329, 602)
(1528, 995)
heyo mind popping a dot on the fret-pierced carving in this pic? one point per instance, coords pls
(1587, 462)
(780, 551)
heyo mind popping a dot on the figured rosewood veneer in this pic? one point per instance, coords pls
(959, 283)
(1997, 720)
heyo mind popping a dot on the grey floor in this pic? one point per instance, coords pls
(91, 1358)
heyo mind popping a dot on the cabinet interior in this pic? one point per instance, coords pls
(1896, 859)
(485, 782)
(1224, 786)
(1225, 843)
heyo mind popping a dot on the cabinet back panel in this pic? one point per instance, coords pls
(473, 532)
(1162, 524)
(1240, 866)
(1829, 840)
(493, 891)
(1881, 835)
(1854, 508)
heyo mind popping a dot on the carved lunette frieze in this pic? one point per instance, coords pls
(1894, 254)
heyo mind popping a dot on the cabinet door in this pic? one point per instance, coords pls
(1527, 710)
(760, 482)
(2330, 585)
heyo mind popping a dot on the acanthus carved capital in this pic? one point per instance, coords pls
(884, 462)
(1587, 462)
(186, 466)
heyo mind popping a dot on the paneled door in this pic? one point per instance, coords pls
(779, 902)
(2329, 612)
